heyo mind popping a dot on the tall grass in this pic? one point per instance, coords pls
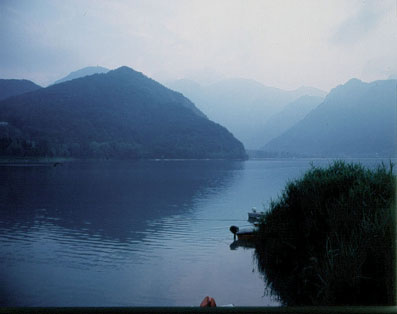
(329, 239)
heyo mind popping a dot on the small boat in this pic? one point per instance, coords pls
(254, 215)
(246, 234)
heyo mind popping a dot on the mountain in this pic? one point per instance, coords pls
(10, 88)
(81, 73)
(120, 114)
(241, 105)
(286, 118)
(356, 119)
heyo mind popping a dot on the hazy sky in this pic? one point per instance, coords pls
(284, 44)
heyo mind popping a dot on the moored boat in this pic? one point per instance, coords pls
(246, 234)
(254, 215)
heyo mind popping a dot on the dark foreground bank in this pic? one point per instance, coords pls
(329, 239)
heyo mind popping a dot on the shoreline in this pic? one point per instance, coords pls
(32, 160)
(54, 160)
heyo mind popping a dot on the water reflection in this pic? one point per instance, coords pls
(133, 233)
(115, 200)
(242, 244)
(83, 229)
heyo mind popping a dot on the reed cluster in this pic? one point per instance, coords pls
(329, 238)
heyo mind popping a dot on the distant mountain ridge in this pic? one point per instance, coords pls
(120, 114)
(14, 87)
(356, 119)
(309, 91)
(288, 117)
(82, 72)
(242, 105)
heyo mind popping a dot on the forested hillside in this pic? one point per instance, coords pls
(10, 88)
(120, 114)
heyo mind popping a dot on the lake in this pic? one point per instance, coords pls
(135, 233)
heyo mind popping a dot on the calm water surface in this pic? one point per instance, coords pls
(134, 233)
